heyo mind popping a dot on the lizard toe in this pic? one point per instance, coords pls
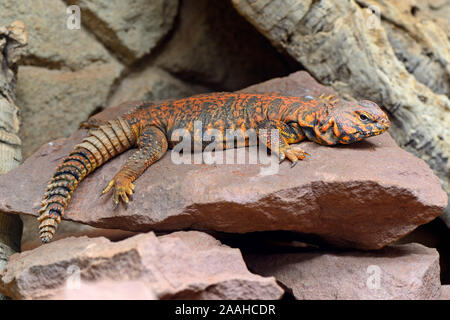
(91, 124)
(294, 154)
(299, 153)
(123, 189)
(123, 196)
(108, 187)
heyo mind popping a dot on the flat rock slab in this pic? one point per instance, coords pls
(364, 195)
(409, 271)
(445, 292)
(107, 290)
(181, 265)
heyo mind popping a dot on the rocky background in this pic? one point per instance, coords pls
(341, 203)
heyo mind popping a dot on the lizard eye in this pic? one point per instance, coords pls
(363, 117)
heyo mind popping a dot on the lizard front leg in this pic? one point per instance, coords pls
(287, 134)
(152, 144)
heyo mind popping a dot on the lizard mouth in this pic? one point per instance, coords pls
(377, 130)
(371, 133)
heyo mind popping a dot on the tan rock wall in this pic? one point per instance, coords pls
(67, 74)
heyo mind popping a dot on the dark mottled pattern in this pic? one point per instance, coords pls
(151, 128)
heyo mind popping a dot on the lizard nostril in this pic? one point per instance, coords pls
(385, 123)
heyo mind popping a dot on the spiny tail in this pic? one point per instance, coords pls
(102, 144)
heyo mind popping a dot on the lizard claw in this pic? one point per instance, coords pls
(293, 154)
(299, 153)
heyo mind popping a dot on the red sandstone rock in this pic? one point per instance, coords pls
(107, 290)
(445, 292)
(364, 195)
(181, 265)
(409, 271)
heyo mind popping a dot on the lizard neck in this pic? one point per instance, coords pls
(319, 124)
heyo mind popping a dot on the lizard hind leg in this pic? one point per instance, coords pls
(152, 144)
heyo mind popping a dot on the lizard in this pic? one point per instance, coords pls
(326, 120)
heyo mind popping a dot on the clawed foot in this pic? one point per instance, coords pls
(123, 188)
(293, 154)
(91, 124)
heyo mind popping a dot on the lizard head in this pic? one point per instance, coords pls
(356, 121)
(347, 122)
